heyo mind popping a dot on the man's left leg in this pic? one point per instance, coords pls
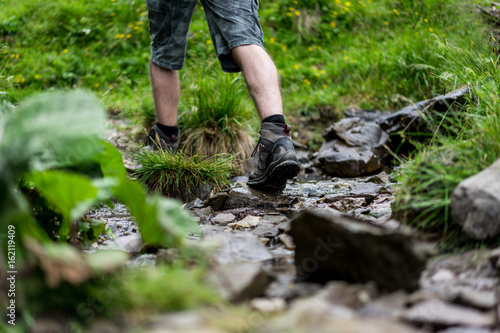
(277, 159)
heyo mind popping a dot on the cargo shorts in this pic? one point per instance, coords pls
(231, 23)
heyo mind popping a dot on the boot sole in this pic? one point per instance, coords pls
(276, 179)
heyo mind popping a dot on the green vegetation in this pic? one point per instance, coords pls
(376, 54)
(470, 143)
(47, 153)
(180, 176)
(330, 54)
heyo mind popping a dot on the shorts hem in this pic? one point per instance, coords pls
(166, 65)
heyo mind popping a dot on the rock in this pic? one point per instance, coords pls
(287, 241)
(268, 305)
(438, 313)
(443, 275)
(368, 190)
(180, 322)
(248, 222)
(239, 281)
(223, 218)
(366, 115)
(475, 298)
(468, 330)
(475, 204)
(353, 147)
(338, 247)
(348, 204)
(130, 243)
(494, 259)
(217, 202)
(391, 306)
(266, 230)
(242, 197)
(203, 213)
(233, 247)
(410, 118)
(318, 316)
(381, 178)
(353, 296)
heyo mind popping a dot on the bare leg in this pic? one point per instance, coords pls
(261, 77)
(166, 92)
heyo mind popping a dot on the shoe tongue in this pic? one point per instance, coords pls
(277, 128)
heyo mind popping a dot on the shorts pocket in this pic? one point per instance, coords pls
(160, 23)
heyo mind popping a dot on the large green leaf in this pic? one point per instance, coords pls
(71, 194)
(48, 130)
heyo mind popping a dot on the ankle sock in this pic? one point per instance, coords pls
(168, 130)
(277, 119)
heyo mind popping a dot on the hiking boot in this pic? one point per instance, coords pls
(158, 140)
(277, 160)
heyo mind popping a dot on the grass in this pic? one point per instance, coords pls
(376, 54)
(219, 121)
(180, 175)
(472, 144)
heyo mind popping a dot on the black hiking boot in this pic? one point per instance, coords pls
(158, 140)
(277, 160)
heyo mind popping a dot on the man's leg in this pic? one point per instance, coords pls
(261, 77)
(166, 92)
(277, 160)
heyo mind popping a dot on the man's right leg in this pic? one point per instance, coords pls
(166, 92)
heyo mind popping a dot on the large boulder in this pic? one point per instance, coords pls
(475, 204)
(353, 147)
(331, 246)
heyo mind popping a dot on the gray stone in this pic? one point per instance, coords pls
(268, 305)
(348, 204)
(247, 222)
(266, 230)
(239, 281)
(367, 190)
(319, 316)
(217, 202)
(469, 330)
(381, 178)
(391, 306)
(479, 299)
(338, 247)
(439, 313)
(494, 258)
(353, 147)
(287, 241)
(203, 213)
(410, 118)
(353, 296)
(475, 204)
(233, 247)
(130, 243)
(223, 218)
(242, 197)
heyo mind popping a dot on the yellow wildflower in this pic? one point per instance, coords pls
(296, 66)
(272, 40)
(426, 20)
(306, 81)
(37, 76)
(333, 24)
(297, 13)
(65, 51)
(129, 35)
(348, 4)
(395, 11)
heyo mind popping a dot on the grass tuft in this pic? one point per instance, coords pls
(219, 120)
(182, 176)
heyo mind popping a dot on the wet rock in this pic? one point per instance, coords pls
(441, 314)
(268, 305)
(443, 275)
(248, 222)
(223, 218)
(287, 241)
(479, 299)
(233, 247)
(353, 147)
(353, 296)
(348, 204)
(475, 204)
(410, 118)
(239, 281)
(242, 197)
(196, 203)
(494, 259)
(318, 316)
(366, 115)
(217, 202)
(391, 306)
(381, 178)
(284, 226)
(181, 322)
(203, 214)
(369, 190)
(469, 330)
(130, 243)
(338, 247)
(266, 230)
